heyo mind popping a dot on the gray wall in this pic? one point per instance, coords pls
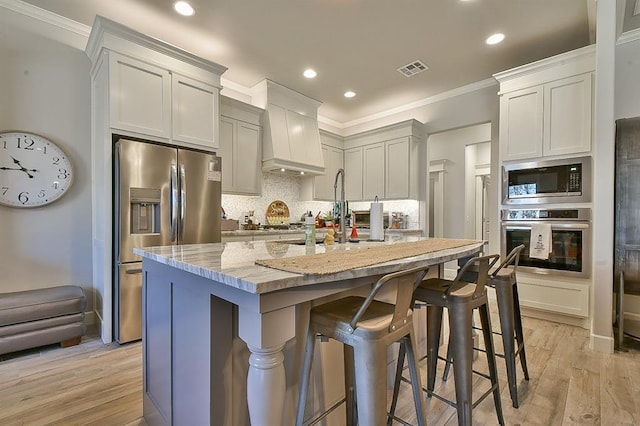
(45, 89)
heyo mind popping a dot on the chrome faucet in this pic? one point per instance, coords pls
(343, 233)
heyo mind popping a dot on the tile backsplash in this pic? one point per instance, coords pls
(287, 188)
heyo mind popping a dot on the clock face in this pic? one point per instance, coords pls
(33, 170)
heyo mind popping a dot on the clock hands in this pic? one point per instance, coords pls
(20, 168)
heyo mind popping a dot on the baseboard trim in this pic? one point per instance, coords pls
(604, 344)
(555, 317)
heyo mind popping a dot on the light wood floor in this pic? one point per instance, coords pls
(96, 384)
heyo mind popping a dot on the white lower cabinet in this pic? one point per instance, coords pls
(557, 295)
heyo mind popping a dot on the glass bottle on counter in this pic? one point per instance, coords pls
(310, 230)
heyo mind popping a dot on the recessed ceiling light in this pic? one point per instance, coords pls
(301, 173)
(349, 94)
(184, 8)
(309, 73)
(495, 39)
(282, 170)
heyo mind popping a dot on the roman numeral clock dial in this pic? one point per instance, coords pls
(33, 170)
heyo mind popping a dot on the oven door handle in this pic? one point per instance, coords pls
(509, 226)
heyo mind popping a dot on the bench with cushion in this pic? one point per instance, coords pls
(45, 316)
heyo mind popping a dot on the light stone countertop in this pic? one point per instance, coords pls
(322, 231)
(233, 263)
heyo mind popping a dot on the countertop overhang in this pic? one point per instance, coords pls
(233, 264)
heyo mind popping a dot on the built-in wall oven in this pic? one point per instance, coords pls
(570, 246)
(548, 181)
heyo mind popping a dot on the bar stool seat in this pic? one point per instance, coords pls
(460, 298)
(503, 280)
(368, 326)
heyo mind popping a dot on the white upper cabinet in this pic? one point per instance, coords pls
(139, 97)
(521, 121)
(401, 177)
(383, 163)
(154, 90)
(240, 147)
(194, 111)
(353, 167)
(153, 101)
(323, 185)
(373, 172)
(546, 108)
(568, 112)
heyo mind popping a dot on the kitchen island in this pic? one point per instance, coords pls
(198, 298)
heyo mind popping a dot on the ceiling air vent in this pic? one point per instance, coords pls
(413, 68)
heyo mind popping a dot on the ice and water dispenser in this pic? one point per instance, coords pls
(145, 210)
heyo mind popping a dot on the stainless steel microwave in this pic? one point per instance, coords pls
(362, 218)
(546, 182)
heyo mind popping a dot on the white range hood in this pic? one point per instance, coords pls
(291, 140)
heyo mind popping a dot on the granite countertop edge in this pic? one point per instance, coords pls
(233, 264)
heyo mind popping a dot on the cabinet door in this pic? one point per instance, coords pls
(139, 97)
(323, 184)
(567, 116)
(353, 174)
(241, 152)
(247, 165)
(521, 120)
(398, 168)
(195, 112)
(373, 171)
(227, 132)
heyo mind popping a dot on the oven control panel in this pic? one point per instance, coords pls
(546, 214)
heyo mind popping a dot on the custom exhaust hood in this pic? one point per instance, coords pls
(291, 140)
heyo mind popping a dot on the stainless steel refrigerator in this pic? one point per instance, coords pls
(162, 196)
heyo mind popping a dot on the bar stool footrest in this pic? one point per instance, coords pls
(326, 413)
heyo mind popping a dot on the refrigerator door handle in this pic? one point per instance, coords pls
(174, 202)
(183, 202)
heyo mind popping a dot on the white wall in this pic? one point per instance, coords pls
(45, 89)
(627, 86)
(451, 146)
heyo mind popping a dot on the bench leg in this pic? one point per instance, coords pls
(71, 342)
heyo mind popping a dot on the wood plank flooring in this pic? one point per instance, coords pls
(96, 384)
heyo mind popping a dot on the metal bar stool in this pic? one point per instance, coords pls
(460, 298)
(503, 280)
(368, 326)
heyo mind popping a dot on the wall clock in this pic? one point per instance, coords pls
(33, 170)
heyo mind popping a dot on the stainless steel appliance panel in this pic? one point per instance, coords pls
(142, 167)
(200, 197)
(549, 181)
(162, 196)
(128, 312)
(570, 237)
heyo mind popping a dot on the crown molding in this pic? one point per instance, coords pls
(58, 27)
(546, 63)
(462, 90)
